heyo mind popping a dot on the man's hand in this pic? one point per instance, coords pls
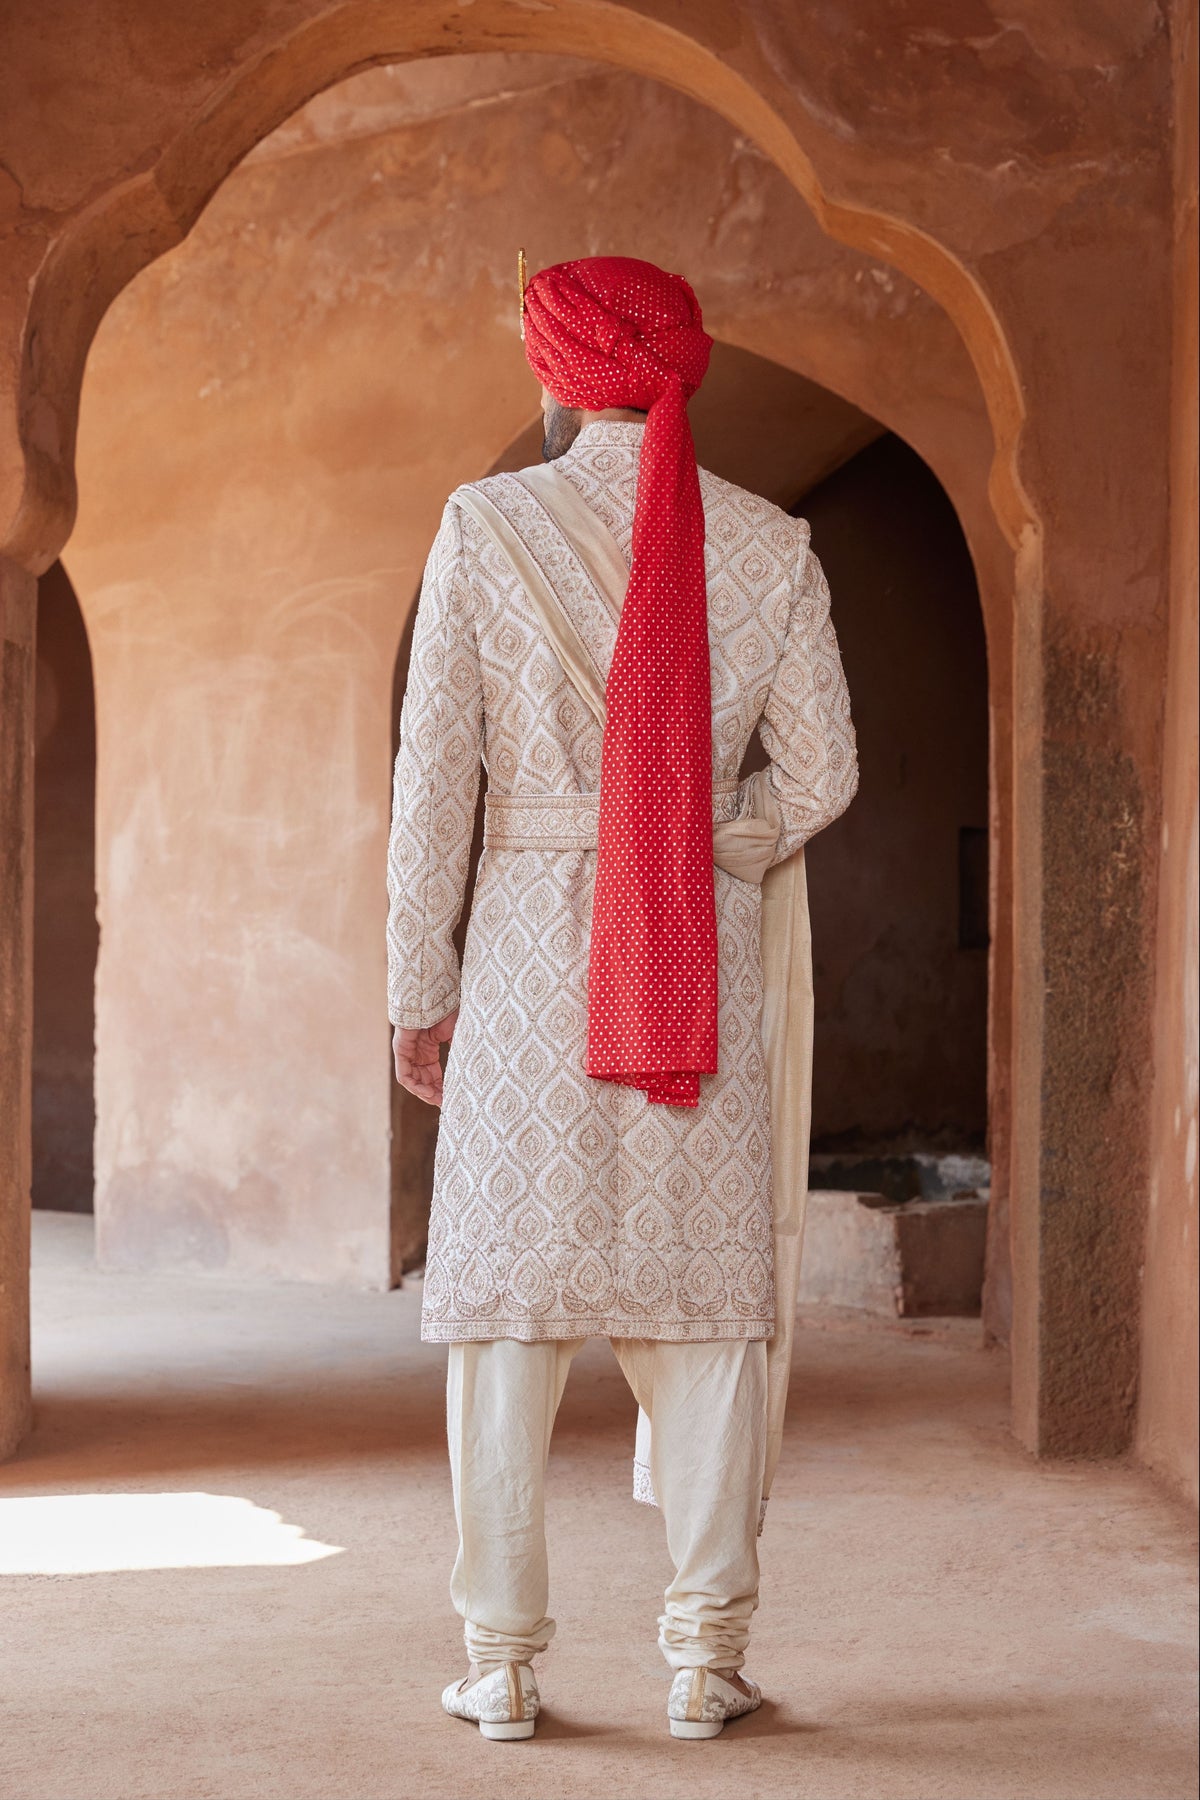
(418, 1066)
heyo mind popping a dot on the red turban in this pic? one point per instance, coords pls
(611, 331)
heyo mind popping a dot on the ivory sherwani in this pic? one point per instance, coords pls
(566, 1206)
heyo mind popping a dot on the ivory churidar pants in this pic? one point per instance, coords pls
(707, 1407)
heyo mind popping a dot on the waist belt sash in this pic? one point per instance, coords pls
(744, 846)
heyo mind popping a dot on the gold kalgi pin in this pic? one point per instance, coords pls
(522, 277)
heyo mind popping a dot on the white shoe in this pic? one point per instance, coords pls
(503, 1703)
(701, 1701)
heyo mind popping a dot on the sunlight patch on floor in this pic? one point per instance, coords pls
(92, 1534)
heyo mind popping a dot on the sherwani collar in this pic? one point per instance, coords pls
(604, 434)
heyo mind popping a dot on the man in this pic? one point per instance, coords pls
(607, 633)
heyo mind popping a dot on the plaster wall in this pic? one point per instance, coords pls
(271, 419)
(1167, 1411)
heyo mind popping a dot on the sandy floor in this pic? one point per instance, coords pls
(940, 1616)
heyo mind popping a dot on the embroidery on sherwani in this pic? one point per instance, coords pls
(564, 1206)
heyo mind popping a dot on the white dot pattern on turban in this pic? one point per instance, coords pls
(612, 331)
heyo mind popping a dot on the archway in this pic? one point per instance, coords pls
(962, 460)
(156, 209)
(900, 913)
(260, 485)
(900, 885)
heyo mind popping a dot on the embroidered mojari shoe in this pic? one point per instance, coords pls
(701, 1701)
(503, 1703)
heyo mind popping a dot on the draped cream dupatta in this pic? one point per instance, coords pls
(743, 846)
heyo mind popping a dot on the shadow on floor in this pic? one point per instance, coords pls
(114, 1427)
(112, 1436)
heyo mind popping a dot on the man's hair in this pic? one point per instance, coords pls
(563, 424)
(562, 428)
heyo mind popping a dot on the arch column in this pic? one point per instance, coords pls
(18, 602)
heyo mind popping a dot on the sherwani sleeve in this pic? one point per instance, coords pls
(435, 790)
(806, 727)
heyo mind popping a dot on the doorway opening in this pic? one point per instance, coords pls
(66, 935)
(900, 883)
(898, 887)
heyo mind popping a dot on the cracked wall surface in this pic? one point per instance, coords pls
(1167, 1411)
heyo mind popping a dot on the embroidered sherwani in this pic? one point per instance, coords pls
(565, 1206)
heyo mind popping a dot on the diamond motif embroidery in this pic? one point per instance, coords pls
(565, 1206)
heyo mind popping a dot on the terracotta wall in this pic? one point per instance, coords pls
(1167, 1413)
(65, 934)
(271, 419)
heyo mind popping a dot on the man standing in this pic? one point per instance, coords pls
(606, 633)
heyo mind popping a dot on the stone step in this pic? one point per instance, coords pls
(919, 1259)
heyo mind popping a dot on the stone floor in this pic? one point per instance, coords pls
(233, 1531)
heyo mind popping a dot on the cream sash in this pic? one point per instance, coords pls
(744, 847)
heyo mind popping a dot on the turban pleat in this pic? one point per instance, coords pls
(615, 332)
